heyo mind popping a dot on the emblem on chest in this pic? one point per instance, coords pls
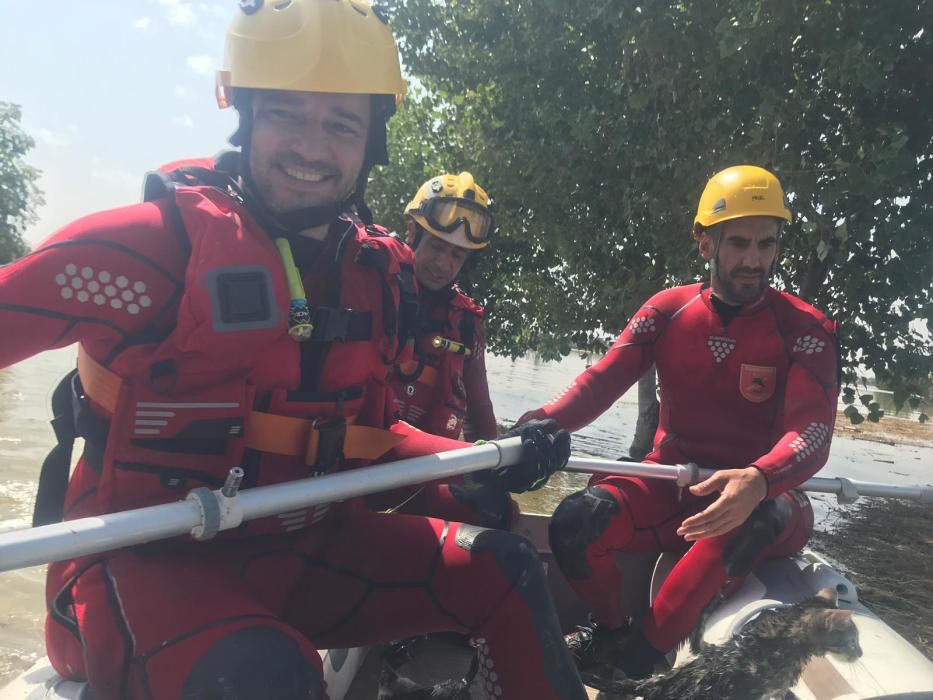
(720, 346)
(757, 383)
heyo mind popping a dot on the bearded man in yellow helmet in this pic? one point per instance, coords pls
(748, 380)
(240, 319)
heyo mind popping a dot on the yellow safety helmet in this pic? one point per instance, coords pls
(340, 46)
(455, 209)
(742, 190)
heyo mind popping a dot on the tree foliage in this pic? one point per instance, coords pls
(595, 126)
(19, 193)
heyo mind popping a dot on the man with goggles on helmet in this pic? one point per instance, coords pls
(748, 379)
(240, 318)
(443, 389)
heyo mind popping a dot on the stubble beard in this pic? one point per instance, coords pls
(733, 293)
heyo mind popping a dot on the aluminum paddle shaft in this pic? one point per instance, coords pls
(847, 490)
(205, 512)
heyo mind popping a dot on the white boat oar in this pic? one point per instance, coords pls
(205, 512)
(846, 490)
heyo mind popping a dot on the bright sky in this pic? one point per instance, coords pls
(110, 89)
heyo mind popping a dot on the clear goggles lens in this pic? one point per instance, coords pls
(446, 215)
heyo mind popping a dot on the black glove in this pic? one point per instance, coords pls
(545, 449)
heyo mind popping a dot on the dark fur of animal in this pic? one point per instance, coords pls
(763, 661)
(394, 686)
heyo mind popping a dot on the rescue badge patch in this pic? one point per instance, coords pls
(757, 383)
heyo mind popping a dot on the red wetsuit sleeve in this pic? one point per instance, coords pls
(418, 443)
(99, 280)
(809, 411)
(481, 419)
(595, 389)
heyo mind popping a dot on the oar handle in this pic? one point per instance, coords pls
(205, 512)
(846, 490)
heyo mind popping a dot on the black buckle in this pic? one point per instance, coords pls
(340, 325)
(331, 434)
(330, 325)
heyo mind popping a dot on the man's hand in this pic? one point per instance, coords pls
(545, 449)
(740, 491)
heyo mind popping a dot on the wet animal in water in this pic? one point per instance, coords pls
(763, 661)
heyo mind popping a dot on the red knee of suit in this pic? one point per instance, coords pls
(108, 621)
(700, 575)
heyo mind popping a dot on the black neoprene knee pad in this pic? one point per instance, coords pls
(490, 501)
(254, 663)
(579, 521)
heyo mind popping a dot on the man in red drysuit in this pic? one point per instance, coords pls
(443, 389)
(238, 318)
(748, 380)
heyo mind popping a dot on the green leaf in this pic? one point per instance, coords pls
(867, 400)
(923, 418)
(569, 121)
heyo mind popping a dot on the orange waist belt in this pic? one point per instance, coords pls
(265, 432)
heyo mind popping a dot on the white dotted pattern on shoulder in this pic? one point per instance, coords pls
(562, 394)
(489, 678)
(809, 344)
(642, 324)
(86, 285)
(810, 440)
(720, 346)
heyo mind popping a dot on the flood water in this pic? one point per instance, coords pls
(25, 437)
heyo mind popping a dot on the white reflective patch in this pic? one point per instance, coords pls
(809, 345)
(87, 285)
(176, 404)
(642, 324)
(810, 440)
(720, 346)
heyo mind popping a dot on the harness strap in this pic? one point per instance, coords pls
(340, 325)
(265, 432)
(53, 478)
(300, 437)
(467, 329)
(416, 371)
(71, 419)
(409, 307)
